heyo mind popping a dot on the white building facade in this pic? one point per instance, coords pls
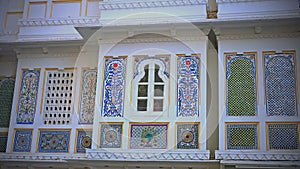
(149, 84)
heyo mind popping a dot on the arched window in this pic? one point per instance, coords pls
(150, 87)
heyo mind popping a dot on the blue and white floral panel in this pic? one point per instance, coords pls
(114, 87)
(188, 86)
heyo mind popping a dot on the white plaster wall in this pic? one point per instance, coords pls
(255, 8)
(253, 45)
(9, 6)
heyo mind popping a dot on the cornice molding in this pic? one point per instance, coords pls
(40, 157)
(153, 155)
(258, 36)
(153, 40)
(148, 4)
(238, 1)
(82, 21)
(257, 155)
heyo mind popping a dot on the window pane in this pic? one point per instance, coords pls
(159, 90)
(143, 91)
(145, 78)
(158, 105)
(142, 105)
(157, 78)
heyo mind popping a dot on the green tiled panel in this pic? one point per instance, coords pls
(241, 95)
(6, 97)
(3, 142)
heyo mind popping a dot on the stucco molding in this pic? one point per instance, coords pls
(259, 36)
(152, 40)
(153, 155)
(111, 5)
(257, 155)
(40, 157)
(238, 1)
(82, 21)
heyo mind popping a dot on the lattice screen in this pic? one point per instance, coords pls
(283, 136)
(58, 100)
(242, 136)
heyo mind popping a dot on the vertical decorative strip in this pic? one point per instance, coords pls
(7, 86)
(188, 85)
(114, 86)
(280, 81)
(28, 96)
(88, 94)
(241, 85)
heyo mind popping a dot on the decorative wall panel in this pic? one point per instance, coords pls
(188, 85)
(280, 84)
(88, 94)
(7, 86)
(187, 136)
(148, 136)
(3, 141)
(241, 84)
(114, 86)
(283, 136)
(58, 100)
(111, 135)
(28, 96)
(22, 140)
(242, 136)
(83, 140)
(164, 59)
(54, 141)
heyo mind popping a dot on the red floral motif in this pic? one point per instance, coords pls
(188, 62)
(115, 65)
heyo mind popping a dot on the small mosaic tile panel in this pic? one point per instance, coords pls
(148, 136)
(242, 136)
(7, 86)
(28, 96)
(111, 135)
(283, 136)
(22, 140)
(54, 141)
(241, 84)
(114, 87)
(83, 140)
(3, 141)
(58, 102)
(187, 136)
(88, 94)
(188, 85)
(164, 59)
(280, 84)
